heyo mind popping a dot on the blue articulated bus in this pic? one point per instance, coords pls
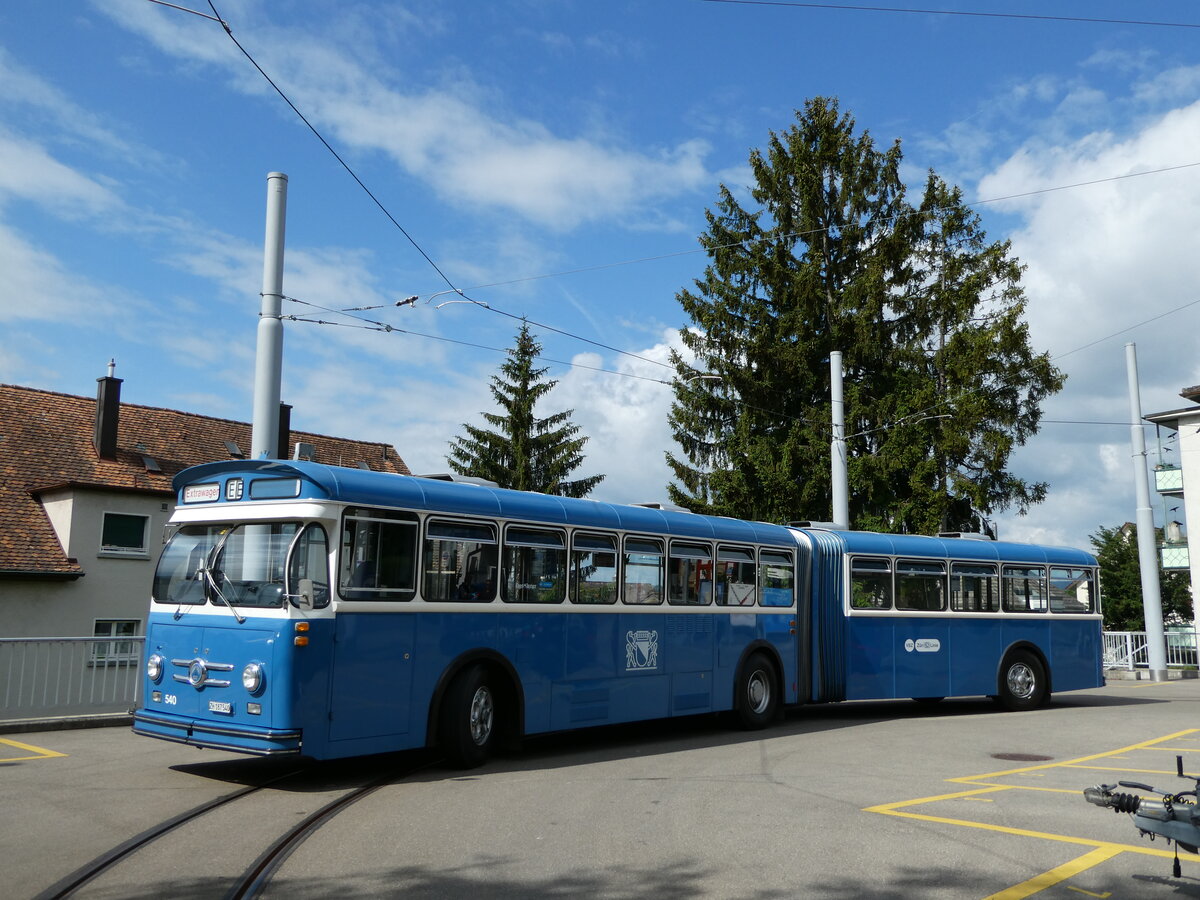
(328, 612)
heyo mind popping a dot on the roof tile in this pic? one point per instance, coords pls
(46, 442)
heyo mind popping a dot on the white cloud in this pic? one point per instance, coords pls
(625, 419)
(1102, 259)
(451, 137)
(29, 172)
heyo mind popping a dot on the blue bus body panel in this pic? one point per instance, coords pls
(889, 654)
(369, 690)
(369, 681)
(216, 715)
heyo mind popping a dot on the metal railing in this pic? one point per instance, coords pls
(61, 677)
(1130, 650)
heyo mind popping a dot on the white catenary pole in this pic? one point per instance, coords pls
(837, 450)
(268, 365)
(1147, 552)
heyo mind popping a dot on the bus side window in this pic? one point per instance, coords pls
(593, 568)
(1024, 589)
(642, 571)
(460, 562)
(736, 580)
(921, 585)
(535, 564)
(1072, 590)
(777, 576)
(870, 583)
(379, 555)
(689, 574)
(974, 587)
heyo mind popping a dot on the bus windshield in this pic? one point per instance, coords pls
(238, 566)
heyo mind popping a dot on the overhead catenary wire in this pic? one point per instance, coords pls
(802, 4)
(802, 235)
(380, 326)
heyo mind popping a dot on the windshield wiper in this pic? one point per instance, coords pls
(216, 589)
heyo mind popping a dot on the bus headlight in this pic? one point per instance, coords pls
(252, 677)
(154, 667)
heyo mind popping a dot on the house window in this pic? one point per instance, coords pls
(124, 533)
(116, 652)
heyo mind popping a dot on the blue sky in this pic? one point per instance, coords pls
(555, 158)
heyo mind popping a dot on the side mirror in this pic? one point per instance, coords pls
(304, 600)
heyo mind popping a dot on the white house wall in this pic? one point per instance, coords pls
(1189, 462)
(114, 586)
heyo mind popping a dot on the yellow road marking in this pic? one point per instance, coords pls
(1071, 887)
(1120, 769)
(968, 779)
(1101, 850)
(1059, 874)
(38, 752)
(1141, 686)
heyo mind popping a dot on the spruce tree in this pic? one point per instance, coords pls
(522, 451)
(941, 383)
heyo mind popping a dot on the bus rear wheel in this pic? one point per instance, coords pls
(756, 699)
(1022, 682)
(469, 719)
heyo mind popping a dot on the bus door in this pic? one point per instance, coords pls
(371, 683)
(921, 643)
(373, 652)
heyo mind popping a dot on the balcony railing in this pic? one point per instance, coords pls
(63, 677)
(1129, 650)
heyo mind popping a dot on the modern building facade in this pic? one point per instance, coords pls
(1177, 478)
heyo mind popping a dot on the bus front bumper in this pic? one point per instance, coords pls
(218, 735)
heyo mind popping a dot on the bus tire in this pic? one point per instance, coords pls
(756, 694)
(469, 720)
(1022, 682)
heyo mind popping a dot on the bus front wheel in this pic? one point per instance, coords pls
(1022, 682)
(469, 719)
(756, 699)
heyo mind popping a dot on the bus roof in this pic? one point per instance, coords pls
(361, 486)
(867, 542)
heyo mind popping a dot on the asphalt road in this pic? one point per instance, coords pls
(861, 800)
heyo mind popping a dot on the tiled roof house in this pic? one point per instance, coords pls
(85, 488)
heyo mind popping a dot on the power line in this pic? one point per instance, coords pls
(802, 235)
(373, 325)
(954, 12)
(328, 146)
(1129, 328)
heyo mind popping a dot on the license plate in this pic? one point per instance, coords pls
(220, 706)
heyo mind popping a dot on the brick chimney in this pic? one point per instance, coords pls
(108, 411)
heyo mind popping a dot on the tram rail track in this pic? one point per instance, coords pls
(254, 879)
